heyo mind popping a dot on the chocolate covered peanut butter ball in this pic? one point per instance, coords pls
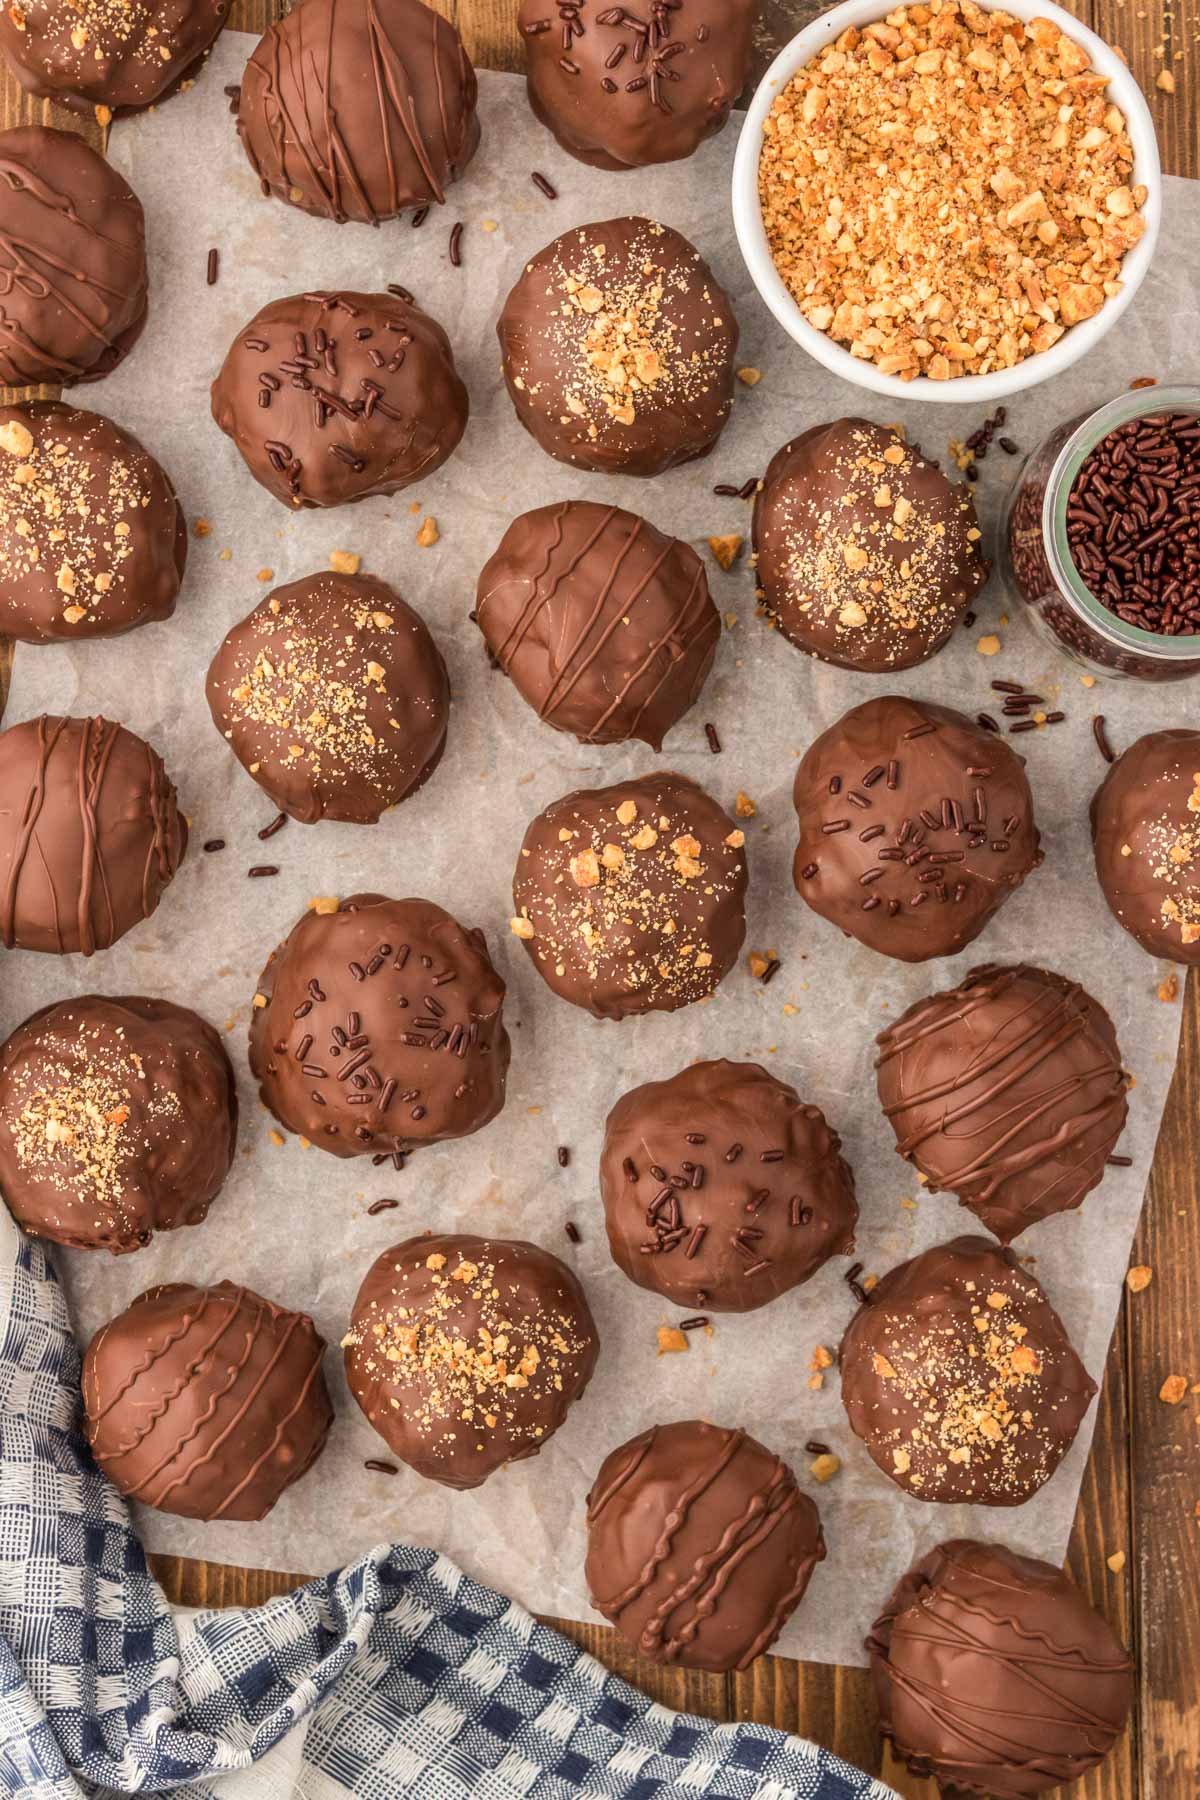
(88, 54)
(1146, 837)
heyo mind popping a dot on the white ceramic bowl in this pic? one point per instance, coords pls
(1076, 342)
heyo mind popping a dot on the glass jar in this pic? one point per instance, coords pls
(1037, 557)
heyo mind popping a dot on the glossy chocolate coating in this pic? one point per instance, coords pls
(72, 260)
(631, 899)
(441, 1326)
(90, 834)
(626, 86)
(206, 1401)
(91, 53)
(617, 344)
(915, 826)
(722, 1189)
(960, 1379)
(867, 556)
(1146, 836)
(93, 541)
(118, 1118)
(361, 397)
(604, 623)
(334, 696)
(358, 109)
(994, 1675)
(700, 1545)
(1008, 1090)
(379, 1027)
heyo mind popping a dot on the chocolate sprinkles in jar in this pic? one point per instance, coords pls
(1102, 535)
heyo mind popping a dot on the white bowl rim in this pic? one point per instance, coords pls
(1076, 342)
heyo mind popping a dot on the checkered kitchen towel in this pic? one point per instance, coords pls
(397, 1676)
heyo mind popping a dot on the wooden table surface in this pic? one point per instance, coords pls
(1141, 1493)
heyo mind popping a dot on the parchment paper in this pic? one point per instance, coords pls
(292, 1222)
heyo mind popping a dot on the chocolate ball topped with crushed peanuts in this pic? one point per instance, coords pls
(334, 697)
(866, 555)
(118, 1119)
(1146, 837)
(631, 899)
(93, 541)
(960, 1379)
(377, 1026)
(466, 1353)
(946, 191)
(618, 346)
(119, 54)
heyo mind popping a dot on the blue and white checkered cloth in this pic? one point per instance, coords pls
(397, 1676)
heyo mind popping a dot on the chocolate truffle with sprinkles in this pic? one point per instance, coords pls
(622, 87)
(960, 1379)
(1008, 1090)
(359, 109)
(378, 1027)
(332, 397)
(118, 1119)
(631, 899)
(72, 260)
(866, 555)
(91, 53)
(700, 1545)
(722, 1189)
(466, 1353)
(91, 834)
(334, 696)
(93, 541)
(994, 1675)
(604, 623)
(1146, 838)
(915, 827)
(208, 1402)
(618, 346)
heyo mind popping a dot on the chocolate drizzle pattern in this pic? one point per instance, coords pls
(378, 1027)
(629, 85)
(1008, 1090)
(994, 1675)
(700, 1545)
(722, 1189)
(206, 1401)
(605, 625)
(331, 397)
(90, 834)
(1146, 838)
(915, 826)
(359, 109)
(92, 53)
(73, 278)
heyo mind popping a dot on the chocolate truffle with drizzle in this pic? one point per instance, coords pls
(334, 696)
(208, 1402)
(72, 260)
(994, 1675)
(1008, 1090)
(1146, 837)
(331, 397)
(618, 346)
(124, 57)
(466, 1353)
(722, 1189)
(915, 826)
(960, 1379)
(118, 1119)
(631, 899)
(866, 555)
(622, 87)
(378, 1027)
(700, 1545)
(90, 834)
(359, 109)
(605, 624)
(93, 540)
